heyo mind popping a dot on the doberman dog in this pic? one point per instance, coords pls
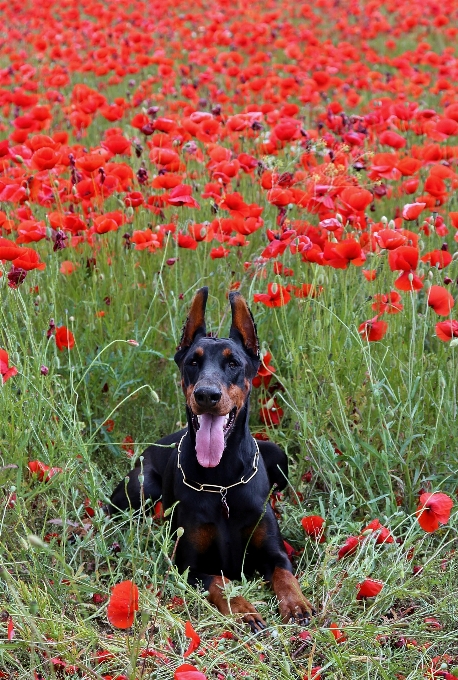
(221, 476)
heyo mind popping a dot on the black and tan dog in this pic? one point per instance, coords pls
(219, 474)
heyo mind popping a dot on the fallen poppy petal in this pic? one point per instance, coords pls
(123, 604)
(194, 637)
(188, 672)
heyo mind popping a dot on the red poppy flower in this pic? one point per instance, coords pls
(313, 526)
(194, 637)
(218, 253)
(44, 158)
(64, 338)
(181, 196)
(370, 587)
(392, 139)
(339, 635)
(408, 166)
(433, 510)
(404, 258)
(271, 413)
(276, 296)
(437, 258)
(409, 281)
(186, 241)
(133, 199)
(349, 547)
(373, 330)
(145, 240)
(280, 197)
(356, 198)
(265, 371)
(44, 472)
(123, 604)
(389, 303)
(446, 330)
(6, 371)
(67, 267)
(91, 162)
(102, 225)
(435, 186)
(30, 231)
(9, 250)
(188, 672)
(28, 259)
(382, 534)
(348, 249)
(412, 210)
(440, 300)
(235, 204)
(117, 144)
(389, 239)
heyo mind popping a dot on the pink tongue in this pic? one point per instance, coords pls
(210, 440)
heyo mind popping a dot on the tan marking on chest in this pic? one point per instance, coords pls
(259, 536)
(202, 537)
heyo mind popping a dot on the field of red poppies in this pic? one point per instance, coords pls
(306, 155)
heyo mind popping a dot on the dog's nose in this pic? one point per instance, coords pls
(207, 396)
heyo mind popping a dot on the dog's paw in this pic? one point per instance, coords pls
(245, 610)
(238, 606)
(294, 607)
(296, 610)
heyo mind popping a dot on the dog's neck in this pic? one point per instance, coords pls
(235, 461)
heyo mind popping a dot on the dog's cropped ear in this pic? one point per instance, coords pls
(243, 328)
(195, 324)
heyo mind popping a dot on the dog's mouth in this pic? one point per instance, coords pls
(212, 432)
(228, 423)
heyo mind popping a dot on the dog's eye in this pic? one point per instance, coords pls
(194, 363)
(233, 364)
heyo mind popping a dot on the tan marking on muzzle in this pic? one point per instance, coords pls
(187, 391)
(237, 396)
(232, 397)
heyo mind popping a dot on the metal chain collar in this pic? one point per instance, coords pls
(216, 488)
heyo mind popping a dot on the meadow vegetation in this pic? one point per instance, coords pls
(306, 157)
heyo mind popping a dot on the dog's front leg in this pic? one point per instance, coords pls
(276, 569)
(293, 606)
(238, 606)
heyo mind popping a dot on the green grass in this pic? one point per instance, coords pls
(389, 407)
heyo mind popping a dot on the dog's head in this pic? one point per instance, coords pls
(216, 374)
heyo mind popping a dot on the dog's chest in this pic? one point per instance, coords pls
(220, 541)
